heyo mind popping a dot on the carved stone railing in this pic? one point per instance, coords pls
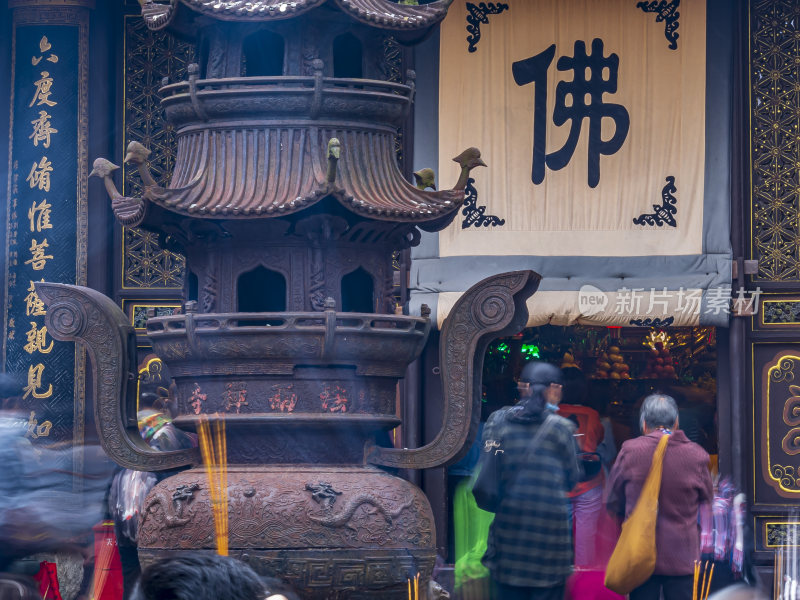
(372, 103)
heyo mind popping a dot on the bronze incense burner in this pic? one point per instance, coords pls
(288, 204)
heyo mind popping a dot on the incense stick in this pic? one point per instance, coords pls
(222, 487)
(214, 452)
(703, 581)
(708, 587)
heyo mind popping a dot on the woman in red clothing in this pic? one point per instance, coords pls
(587, 496)
(685, 485)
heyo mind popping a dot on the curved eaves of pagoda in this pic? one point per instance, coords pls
(377, 13)
(279, 171)
(273, 146)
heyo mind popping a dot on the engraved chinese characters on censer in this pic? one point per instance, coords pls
(287, 202)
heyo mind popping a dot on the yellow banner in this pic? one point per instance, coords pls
(591, 117)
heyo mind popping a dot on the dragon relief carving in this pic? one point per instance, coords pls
(173, 507)
(209, 296)
(324, 494)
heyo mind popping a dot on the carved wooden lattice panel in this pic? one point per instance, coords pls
(149, 57)
(392, 64)
(775, 137)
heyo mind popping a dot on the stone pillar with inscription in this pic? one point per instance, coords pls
(46, 217)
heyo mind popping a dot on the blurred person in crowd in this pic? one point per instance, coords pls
(529, 551)
(130, 488)
(41, 510)
(685, 485)
(200, 577)
(587, 496)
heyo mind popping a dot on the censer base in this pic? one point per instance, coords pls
(342, 574)
(331, 532)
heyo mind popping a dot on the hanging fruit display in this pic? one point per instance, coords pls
(612, 365)
(619, 367)
(602, 366)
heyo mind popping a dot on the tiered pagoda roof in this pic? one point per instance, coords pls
(378, 13)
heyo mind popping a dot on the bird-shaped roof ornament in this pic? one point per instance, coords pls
(130, 212)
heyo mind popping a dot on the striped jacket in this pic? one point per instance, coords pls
(530, 539)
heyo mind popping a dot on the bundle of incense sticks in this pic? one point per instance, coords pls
(215, 458)
(415, 595)
(702, 581)
(102, 567)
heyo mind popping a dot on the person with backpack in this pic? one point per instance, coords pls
(533, 455)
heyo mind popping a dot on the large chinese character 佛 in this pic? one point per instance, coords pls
(42, 129)
(39, 216)
(37, 340)
(593, 76)
(38, 258)
(35, 383)
(43, 92)
(40, 175)
(34, 307)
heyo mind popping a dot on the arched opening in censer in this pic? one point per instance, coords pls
(358, 289)
(193, 286)
(348, 56)
(263, 55)
(261, 290)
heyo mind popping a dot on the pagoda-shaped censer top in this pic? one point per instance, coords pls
(293, 109)
(286, 133)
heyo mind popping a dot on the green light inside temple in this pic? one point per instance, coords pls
(529, 351)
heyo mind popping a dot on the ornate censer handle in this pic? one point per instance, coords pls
(84, 315)
(493, 308)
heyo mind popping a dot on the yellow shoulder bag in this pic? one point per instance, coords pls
(634, 557)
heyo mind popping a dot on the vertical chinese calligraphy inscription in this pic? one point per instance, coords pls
(46, 220)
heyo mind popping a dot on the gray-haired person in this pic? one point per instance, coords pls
(685, 485)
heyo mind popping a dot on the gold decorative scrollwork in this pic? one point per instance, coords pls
(791, 410)
(774, 117)
(786, 475)
(791, 442)
(781, 535)
(780, 424)
(783, 371)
